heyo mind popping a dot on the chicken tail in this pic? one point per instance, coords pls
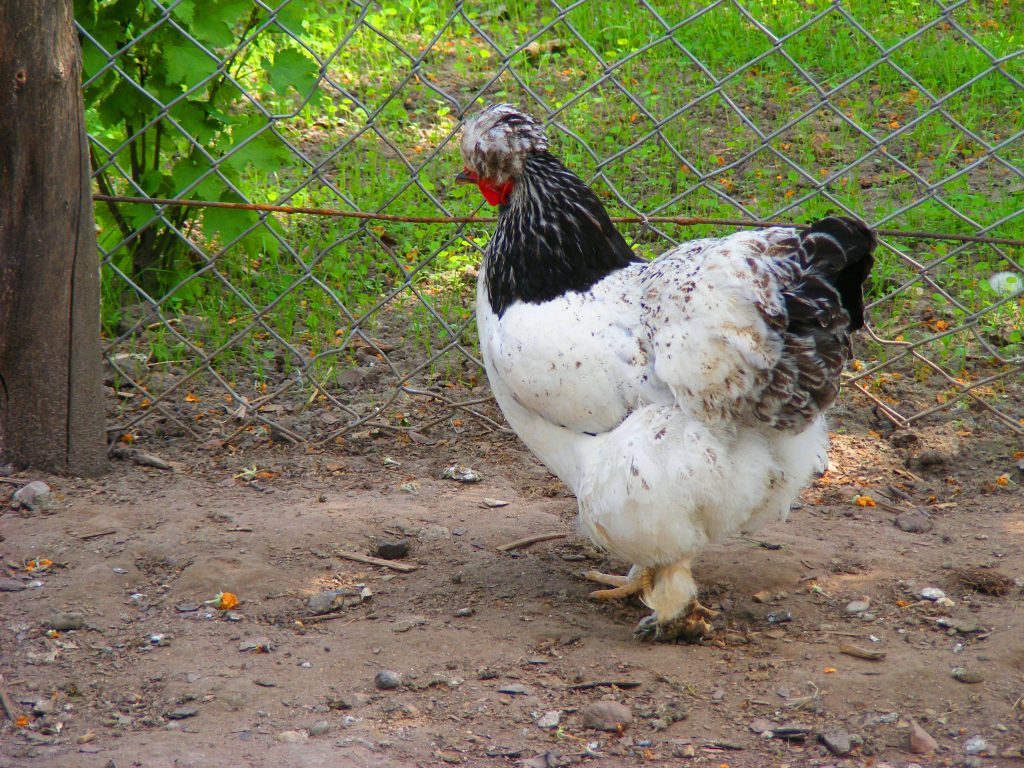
(840, 250)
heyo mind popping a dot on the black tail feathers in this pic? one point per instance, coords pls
(842, 248)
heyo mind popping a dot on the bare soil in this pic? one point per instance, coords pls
(140, 551)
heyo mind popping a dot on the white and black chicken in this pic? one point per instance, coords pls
(681, 399)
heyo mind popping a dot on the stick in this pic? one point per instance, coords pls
(96, 534)
(523, 543)
(140, 457)
(861, 653)
(323, 617)
(9, 708)
(13, 481)
(361, 558)
(589, 686)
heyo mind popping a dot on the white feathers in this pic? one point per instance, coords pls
(632, 391)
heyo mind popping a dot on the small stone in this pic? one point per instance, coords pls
(762, 597)
(120, 571)
(549, 720)
(464, 613)
(11, 585)
(969, 676)
(434, 533)
(913, 522)
(186, 607)
(931, 593)
(921, 742)
(782, 617)
(607, 716)
(460, 473)
(837, 742)
(858, 606)
(392, 549)
(495, 503)
(514, 689)
(976, 745)
(684, 750)
(328, 601)
(43, 707)
(256, 645)
(405, 623)
(65, 621)
(761, 725)
(292, 737)
(183, 713)
(35, 495)
(386, 680)
(319, 729)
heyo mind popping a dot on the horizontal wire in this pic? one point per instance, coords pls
(683, 220)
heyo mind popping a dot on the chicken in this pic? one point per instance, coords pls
(682, 399)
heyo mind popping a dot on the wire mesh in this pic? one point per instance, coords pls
(250, 326)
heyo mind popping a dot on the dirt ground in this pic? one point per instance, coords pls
(500, 653)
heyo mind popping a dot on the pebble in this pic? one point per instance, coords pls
(292, 737)
(392, 549)
(386, 680)
(120, 571)
(921, 742)
(514, 689)
(760, 725)
(606, 716)
(434, 533)
(330, 600)
(549, 720)
(913, 522)
(837, 742)
(319, 729)
(931, 593)
(186, 607)
(65, 621)
(43, 707)
(183, 713)
(256, 645)
(406, 623)
(11, 585)
(35, 495)
(858, 606)
(460, 473)
(976, 745)
(464, 613)
(969, 676)
(780, 618)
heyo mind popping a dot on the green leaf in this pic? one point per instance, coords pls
(263, 151)
(292, 68)
(215, 24)
(187, 65)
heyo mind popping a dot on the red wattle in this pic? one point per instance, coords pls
(496, 195)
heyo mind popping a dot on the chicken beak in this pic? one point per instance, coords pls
(465, 177)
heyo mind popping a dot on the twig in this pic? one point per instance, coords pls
(624, 684)
(683, 220)
(96, 534)
(323, 617)
(239, 529)
(9, 708)
(140, 457)
(361, 558)
(522, 543)
(762, 544)
(861, 653)
(13, 481)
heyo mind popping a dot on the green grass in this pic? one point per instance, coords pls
(337, 270)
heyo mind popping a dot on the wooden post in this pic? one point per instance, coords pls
(51, 395)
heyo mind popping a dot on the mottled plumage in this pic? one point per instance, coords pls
(681, 399)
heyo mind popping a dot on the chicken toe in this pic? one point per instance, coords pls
(690, 627)
(622, 586)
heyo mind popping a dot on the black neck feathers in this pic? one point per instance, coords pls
(553, 236)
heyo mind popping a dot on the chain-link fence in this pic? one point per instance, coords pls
(234, 325)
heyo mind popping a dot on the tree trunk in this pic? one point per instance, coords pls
(51, 396)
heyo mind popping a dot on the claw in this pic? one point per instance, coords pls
(691, 627)
(623, 585)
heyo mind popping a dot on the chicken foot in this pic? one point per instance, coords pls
(623, 586)
(689, 627)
